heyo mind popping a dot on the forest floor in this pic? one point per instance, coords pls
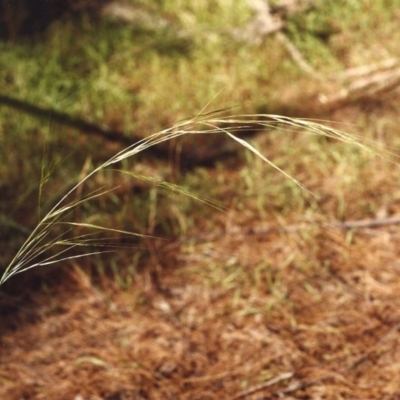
(284, 292)
(279, 306)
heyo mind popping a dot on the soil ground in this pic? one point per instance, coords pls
(304, 311)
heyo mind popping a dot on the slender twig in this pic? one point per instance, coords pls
(261, 386)
(298, 58)
(294, 386)
(382, 340)
(364, 223)
(265, 230)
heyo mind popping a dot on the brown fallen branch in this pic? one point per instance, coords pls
(366, 70)
(265, 230)
(207, 151)
(65, 119)
(346, 225)
(367, 84)
(364, 223)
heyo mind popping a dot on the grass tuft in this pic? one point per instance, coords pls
(54, 229)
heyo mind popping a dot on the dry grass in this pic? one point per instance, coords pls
(42, 239)
(309, 312)
(230, 315)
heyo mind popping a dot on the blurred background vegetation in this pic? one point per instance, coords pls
(215, 300)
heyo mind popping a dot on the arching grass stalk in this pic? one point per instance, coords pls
(40, 240)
